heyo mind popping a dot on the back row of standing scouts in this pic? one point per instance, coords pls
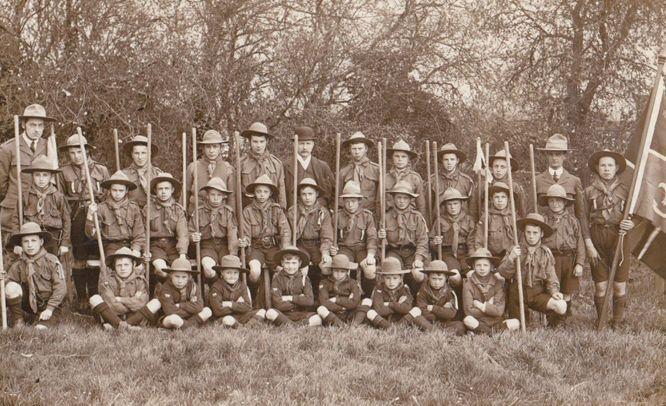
(57, 211)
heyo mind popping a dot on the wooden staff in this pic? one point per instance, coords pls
(479, 205)
(429, 205)
(337, 189)
(3, 298)
(116, 148)
(519, 273)
(19, 185)
(382, 203)
(534, 187)
(196, 208)
(239, 201)
(295, 195)
(438, 225)
(486, 203)
(183, 143)
(91, 193)
(149, 131)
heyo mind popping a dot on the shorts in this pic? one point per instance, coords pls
(33, 318)
(111, 247)
(605, 240)
(312, 247)
(458, 262)
(297, 316)
(536, 297)
(263, 255)
(163, 248)
(564, 268)
(242, 318)
(354, 253)
(214, 248)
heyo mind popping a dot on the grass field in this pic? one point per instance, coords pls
(78, 363)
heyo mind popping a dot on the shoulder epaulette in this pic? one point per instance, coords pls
(368, 212)
(7, 142)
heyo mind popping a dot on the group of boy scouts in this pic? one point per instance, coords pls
(324, 261)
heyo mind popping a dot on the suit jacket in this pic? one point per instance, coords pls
(8, 184)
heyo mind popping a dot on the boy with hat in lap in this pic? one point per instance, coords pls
(401, 155)
(436, 301)
(291, 290)
(35, 281)
(218, 231)
(179, 298)
(123, 301)
(339, 295)
(391, 299)
(361, 170)
(606, 199)
(229, 297)
(540, 284)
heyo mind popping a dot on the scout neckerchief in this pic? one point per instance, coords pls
(263, 160)
(535, 263)
(41, 198)
(32, 274)
(304, 216)
(187, 293)
(359, 169)
(351, 223)
(453, 220)
(483, 283)
(266, 214)
(166, 210)
(450, 176)
(79, 185)
(295, 282)
(393, 294)
(400, 174)
(436, 296)
(401, 216)
(507, 224)
(141, 172)
(232, 292)
(210, 166)
(215, 213)
(121, 212)
(607, 189)
(122, 284)
(339, 284)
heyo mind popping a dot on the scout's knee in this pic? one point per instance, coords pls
(366, 302)
(470, 322)
(415, 312)
(205, 314)
(620, 288)
(370, 271)
(228, 321)
(261, 314)
(512, 324)
(271, 314)
(160, 264)
(154, 306)
(323, 312)
(95, 301)
(558, 306)
(173, 321)
(208, 263)
(372, 314)
(314, 321)
(13, 290)
(418, 275)
(255, 270)
(600, 288)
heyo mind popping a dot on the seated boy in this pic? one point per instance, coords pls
(291, 290)
(391, 299)
(181, 305)
(218, 231)
(339, 295)
(229, 297)
(122, 302)
(484, 298)
(540, 285)
(35, 281)
(436, 301)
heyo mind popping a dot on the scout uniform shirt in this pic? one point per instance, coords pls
(168, 220)
(457, 234)
(460, 181)
(253, 166)
(387, 303)
(182, 302)
(50, 210)
(74, 185)
(439, 300)
(407, 228)
(138, 176)
(347, 294)
(357, 230)
(314, 224)
(221, 291)
(207, 170)
(606, 201)
(500, 231)
(488, 290)
(519, 195)
(120, 222)
(567, 239)
(414, 179)
(366, 174)
(42, 279)
(316, 169)
(266, 225)
(217, 222)
(292, 285)
(573, 187)
(133, 288)
(537, 267)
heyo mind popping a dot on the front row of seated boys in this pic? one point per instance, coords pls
(35, 289)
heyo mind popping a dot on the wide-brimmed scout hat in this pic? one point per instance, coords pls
(499, 187)
(73, 142)
(450, 148)
(213, 137)
(181, 265)
(165, 177)
(291, 250)
(357, 137)
(555, 191)
(256, 128)
(217, 184)
(262, 180)
(404, 188)
(556, 143)
(438, 266)
(501, 154)
(453, 194)
(401, 146)
(230, 262)
(352, 189)
(41, 164)
(392, 266)
(482, 253)
(35, 111)
(29, 228)
(140, 140)
(309, 182)
(535, 219)
(619, 160)
(305, 133)
(118, 178)
(341, 261)
(123, 252)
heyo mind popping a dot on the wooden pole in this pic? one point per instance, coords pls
(486, 215)
(429, 205)
(479, 178)
(295, 191)
(116, 148)
(196, 209)
(382, 203)
(519, 273)
(438, 224)
(3, 296)
(534, 187)
(337, 190)
(183, 142)
(239, 201)
(149, 173)
(19, 183)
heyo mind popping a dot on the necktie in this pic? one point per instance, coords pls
(33, 146)
(556, 177)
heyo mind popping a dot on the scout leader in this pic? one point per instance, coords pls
(258, 161)
(499, 170)
(291, 291)
(45, 205)
(36, 281)
(310, 167)
(540, 284)
(137, 172)
(229, 297)
(339, 295)
(75, 187)
(357, 235)
(211, 165)
(31, 145)
(458, 231)
(123, 301)
(361, 170)
(606, 199)
(401, 155)
(436, 301)
(450, 176)
(218, 232)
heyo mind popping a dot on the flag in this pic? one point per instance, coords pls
(480, 161)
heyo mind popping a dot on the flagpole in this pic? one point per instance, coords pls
(654, 108)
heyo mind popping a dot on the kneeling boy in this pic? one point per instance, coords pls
(179, 298)
(229, 297)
